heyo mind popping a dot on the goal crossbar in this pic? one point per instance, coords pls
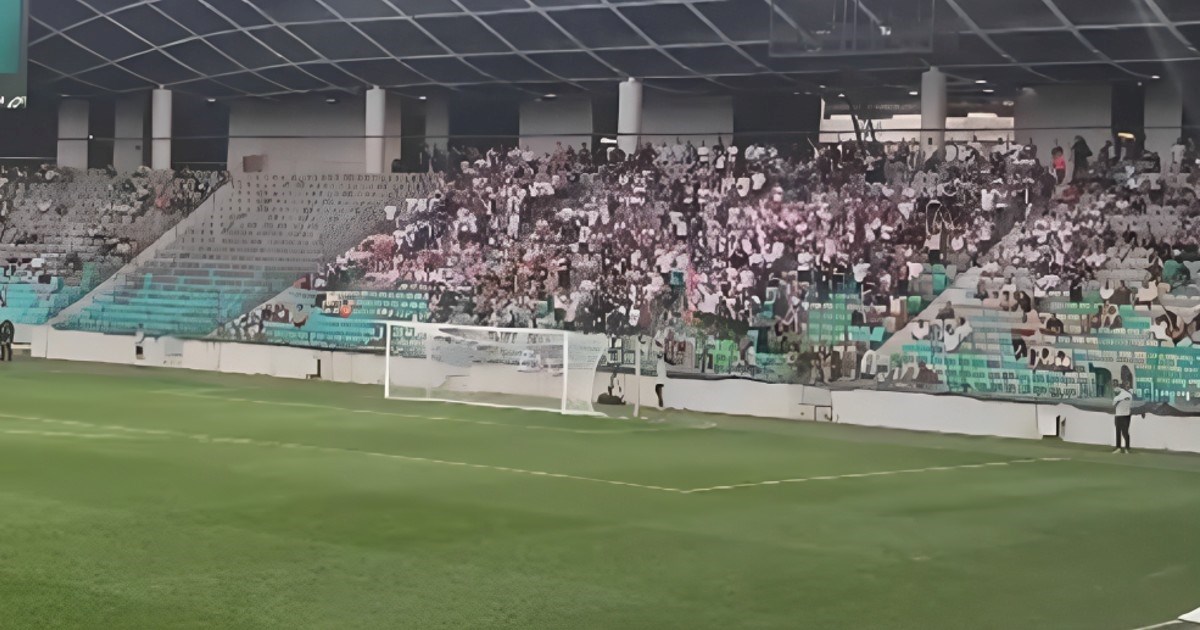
(535, 369)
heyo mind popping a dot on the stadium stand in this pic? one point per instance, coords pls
(65, 231)
(262, 233)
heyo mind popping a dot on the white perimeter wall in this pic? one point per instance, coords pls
(1052, 115)
(894, 410)
(335, 143)
(958, 414)
(544, 124)
(695, 118)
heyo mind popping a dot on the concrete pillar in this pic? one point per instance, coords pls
(129, 129)
(629, 115)
(73, 133)
(933, 111)
(376, 120)
(160, 130)
(437, 123)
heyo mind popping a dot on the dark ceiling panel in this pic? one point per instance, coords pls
(384, 72)
(1011, 14)
(740, 20)
(494, 5)
(353, 9)
(284, 43)
(446, 70)
(670, 24)
(425, 7)
(673, 40)
(1092, 72)
(239, 11)
(563, 3)
(968, 49)
(1180, 9)
(115, 79)
(207, 87)
(682, 87)
(293, 10)
(106, 39)
(193, 16)
(250, 83)
(158, 68)
(573, 65)
(510, 68)
(293, 78)
(336, 40)
(331, 74)
(530, 31)
(715, 60)
(151, 25)
(598, 28)
(62, 55)
(647, 62)
(463, 34)
(1138, 43)
(401, 38)
(201, 57)
(1107, 12)
(37, 31)
(1044, 46)
(60, 14)
(245, 50)
(108, 6)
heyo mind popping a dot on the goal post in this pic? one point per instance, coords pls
(525, 368)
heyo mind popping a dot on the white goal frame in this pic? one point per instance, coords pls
(563, 336)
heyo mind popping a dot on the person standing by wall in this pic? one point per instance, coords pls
(1122, 410)
(7, 333)
(1081, 152)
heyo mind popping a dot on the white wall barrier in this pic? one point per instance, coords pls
(895, 410)
(943, 414)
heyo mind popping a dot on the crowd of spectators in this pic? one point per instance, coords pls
(53, 220)
(1115, 227)
(607, 242)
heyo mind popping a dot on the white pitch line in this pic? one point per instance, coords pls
(86, 436)
(395, 414)
(1165, 624)
(209, 439)
(882, 473)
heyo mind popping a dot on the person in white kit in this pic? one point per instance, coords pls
(1122, 411)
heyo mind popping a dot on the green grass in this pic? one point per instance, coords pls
(170, 499)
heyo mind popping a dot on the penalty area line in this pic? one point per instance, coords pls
(881, 473)
(202, 394)
(211, 439)
(1174, 623)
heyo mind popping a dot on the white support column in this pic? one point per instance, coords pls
(629, 116)
(160, 130)
(376, 118)
(933, 111)
(73, 133)
(129, 129)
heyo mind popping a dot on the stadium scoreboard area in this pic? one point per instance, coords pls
(13, 46)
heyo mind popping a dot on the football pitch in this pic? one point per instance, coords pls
(139, 498)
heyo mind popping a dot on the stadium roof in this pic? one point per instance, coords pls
(237, 48)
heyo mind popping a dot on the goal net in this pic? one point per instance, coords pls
(537, 369)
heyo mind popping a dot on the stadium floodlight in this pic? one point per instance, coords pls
(523, 368)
